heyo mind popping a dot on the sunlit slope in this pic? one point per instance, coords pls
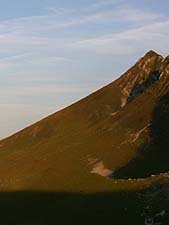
(75, 148)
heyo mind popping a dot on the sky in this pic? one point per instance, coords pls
(54, 52)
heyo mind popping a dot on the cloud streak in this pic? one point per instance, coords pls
(153, 36)
(27, 37)
(29, 34)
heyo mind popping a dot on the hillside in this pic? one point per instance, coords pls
(93, 161)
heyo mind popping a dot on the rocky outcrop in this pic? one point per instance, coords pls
(142, 75)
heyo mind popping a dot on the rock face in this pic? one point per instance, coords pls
(142, 75)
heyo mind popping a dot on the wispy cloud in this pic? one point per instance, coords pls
(153, 36)
(103, 3)
(15, 57)
(29, 34)
(35, 24)
(59, 11)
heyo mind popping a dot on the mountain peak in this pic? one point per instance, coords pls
(166, 59)
(141, 76)
(152, 53)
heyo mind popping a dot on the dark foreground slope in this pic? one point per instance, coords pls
(62, 169)
(52, 208)
(69, 208)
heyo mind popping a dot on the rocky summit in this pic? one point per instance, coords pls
(102, 160)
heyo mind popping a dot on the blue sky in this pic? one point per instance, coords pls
(53, 52)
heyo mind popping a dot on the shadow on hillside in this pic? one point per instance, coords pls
(44, 208)
(138, 89)
(153, 157)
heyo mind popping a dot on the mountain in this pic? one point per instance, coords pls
(105, 156)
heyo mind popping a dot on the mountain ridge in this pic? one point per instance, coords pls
(99, 158)
(141, 61)
(98, 113)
